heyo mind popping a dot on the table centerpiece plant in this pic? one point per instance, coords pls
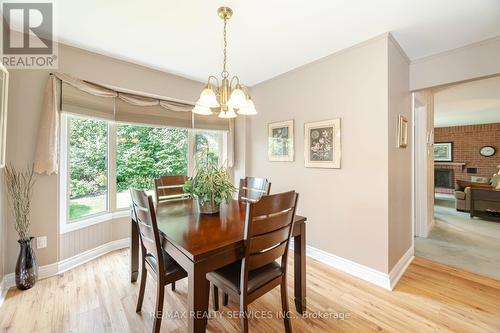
(211, 185)
(20, 192)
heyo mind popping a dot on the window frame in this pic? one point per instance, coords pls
(112, 212)
(222, 142)
(66, 224)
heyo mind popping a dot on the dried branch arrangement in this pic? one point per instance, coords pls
(20, 189)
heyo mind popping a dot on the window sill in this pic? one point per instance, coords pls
(66, 227)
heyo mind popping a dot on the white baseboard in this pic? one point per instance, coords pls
(66, 264)
(3, 290)
(384, 280)
(43, 273)
(400, 268)
(79, 259)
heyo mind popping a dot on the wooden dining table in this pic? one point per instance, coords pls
(202, 243)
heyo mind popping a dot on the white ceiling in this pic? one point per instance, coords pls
(266, 37)
(476, 102)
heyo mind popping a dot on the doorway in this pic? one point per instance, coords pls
(453, 125)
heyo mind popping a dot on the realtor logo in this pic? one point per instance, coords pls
(27, 38)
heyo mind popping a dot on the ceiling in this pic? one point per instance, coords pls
(266, 37)
(475, 102)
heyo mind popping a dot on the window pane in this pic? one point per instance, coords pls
(210, 142)
(145, 153)
(88, 148)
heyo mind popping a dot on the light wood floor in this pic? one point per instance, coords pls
(98, 297)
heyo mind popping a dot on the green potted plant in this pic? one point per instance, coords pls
(211, 185)
(20, 189)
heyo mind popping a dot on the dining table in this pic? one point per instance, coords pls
(202, 243)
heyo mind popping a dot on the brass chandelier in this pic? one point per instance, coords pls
(223, 97)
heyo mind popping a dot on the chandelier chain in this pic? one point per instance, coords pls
(225, 73)
(228, 95)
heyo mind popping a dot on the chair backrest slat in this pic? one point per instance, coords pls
(253, 188)
(268, 228)
(266, 257)
(268, 206)
(169, 187)
(268, 223)
(145, 217)
(268, 240)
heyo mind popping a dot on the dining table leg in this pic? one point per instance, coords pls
(134, 251)
(198, 294)
(299, 267)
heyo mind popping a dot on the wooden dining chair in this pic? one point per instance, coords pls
(170, 187)
(253, 188)
(268, 228)
(161, 266)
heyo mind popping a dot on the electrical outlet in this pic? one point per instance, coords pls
(41, 242)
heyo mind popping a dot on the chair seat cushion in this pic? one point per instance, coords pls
(171, 266)
(460, 195)
(230, 276)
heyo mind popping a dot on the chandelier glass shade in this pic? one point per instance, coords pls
(227, 95)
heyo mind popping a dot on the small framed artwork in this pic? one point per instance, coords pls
(4, 86)
(281, 141)
(322, 146)
(402, 131)
(443, 151)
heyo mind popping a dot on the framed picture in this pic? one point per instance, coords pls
(281, 141)
(322, 144)
(402, 131)
(443, 151)
(4, 87)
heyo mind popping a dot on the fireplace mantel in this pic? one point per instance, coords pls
(450, 163)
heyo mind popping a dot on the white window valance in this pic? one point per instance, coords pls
(72, 95)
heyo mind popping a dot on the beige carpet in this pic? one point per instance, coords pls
(456, 240)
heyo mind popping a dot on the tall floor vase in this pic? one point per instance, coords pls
(27, 265)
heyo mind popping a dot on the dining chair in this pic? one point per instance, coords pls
(164, 269)
(253, 188)
(268, 228)
(170, 187)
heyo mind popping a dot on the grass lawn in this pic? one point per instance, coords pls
(86, 206)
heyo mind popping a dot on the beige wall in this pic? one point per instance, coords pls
(466, 63)
(400, 160)
(241, 148)
(25, 95)
(25, 100)
(347, 208)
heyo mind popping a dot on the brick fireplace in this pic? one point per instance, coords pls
(467, 141)
(445, 176)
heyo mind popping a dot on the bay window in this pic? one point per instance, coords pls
(212, 143)
(87, 164)
(101, 159)
(144, 153)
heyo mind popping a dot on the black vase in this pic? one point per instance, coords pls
(27, 266)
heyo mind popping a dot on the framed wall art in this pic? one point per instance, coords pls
(322, 146)
(281, 141)
(443, 151)
(402, 131)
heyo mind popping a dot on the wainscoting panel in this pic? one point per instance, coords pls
(78, 241)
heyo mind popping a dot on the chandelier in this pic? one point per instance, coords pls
(227, 95)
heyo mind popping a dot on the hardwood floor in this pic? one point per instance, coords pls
(98, 297)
